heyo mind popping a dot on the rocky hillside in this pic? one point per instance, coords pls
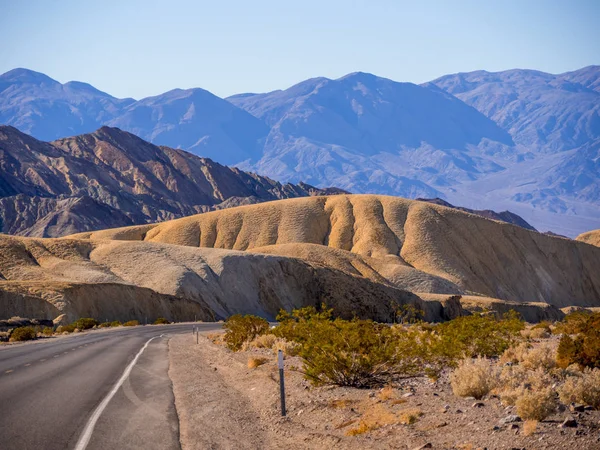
(416, 246)
(361, 254)
(111, 178)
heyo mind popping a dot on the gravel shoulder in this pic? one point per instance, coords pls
(222, 404)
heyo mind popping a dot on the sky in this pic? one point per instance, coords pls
(139, 48)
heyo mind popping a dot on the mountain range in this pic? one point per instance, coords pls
(114, 178)
(521, 140)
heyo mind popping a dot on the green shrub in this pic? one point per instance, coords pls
(23, 334)
(116, 323)
(574, 323)
(241, 329)
(104, 325)
(85, 323)
(161, 321)
(358, 353)
(584, 348)
(68, 328)
(480, 335)
(131, 323)
(48, 331)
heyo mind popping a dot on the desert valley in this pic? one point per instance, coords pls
(344, 262)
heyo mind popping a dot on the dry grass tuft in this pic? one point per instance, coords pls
(473, 378)
(254, 362)
(409, 416)
(529, 427)
(398, 401)
(342, 403)
(387, 393)
(539, 333)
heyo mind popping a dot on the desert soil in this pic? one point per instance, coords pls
(222, 404)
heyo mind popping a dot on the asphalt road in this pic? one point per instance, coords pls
(49, 390)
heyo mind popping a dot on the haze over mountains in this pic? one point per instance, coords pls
(519, 140)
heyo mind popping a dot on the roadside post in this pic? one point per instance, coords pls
(197, 333)
(281, 382)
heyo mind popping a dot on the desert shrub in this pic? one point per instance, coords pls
(479, 334)
(514, 380)
(358, 353)
(23, 334)
(409, 314)
(131, 323)
(241, 329)
(539, 333)
(583, 389)
(264, 341)
(574, 323)
(254, 362)
(161, 321)
(584, 348)
(529, 427)
(536, 404)
(116, 323)
(85, 323)
(515, 354)
(473, 378)
(541, 356)
(66, 328)
(104, 325)
(47, 331)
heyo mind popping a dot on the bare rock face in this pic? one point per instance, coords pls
(421, 247)
(111, 178)
(124, 280)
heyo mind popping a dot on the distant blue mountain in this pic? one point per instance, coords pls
(522, 140)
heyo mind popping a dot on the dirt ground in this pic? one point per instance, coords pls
(222, 404)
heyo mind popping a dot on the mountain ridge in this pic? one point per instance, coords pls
(519, 140)
(121, 178)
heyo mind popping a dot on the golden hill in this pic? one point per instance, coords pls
(413, 245)
(117, 280)
(361, 254)
(591, 237)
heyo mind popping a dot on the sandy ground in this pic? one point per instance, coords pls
(224, 405)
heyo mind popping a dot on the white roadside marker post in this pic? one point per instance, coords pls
(281, 382)
(197, 333)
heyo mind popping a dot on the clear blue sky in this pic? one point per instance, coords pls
(137, 48)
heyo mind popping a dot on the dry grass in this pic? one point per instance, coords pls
(539, 333)
(376, 416)
(387, 393)
(256, 361)
(536, 405)
(584, 389)
(342, 403)
(473, 378)
(409, 416)
(515, 354)
(529, 427)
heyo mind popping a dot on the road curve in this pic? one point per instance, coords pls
(49, 390)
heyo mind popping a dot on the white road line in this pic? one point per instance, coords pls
(84, 439)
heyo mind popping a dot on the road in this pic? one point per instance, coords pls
(50, 390)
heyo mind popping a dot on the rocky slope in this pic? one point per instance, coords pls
(118, 280)
(113, 178)
(416, 246)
